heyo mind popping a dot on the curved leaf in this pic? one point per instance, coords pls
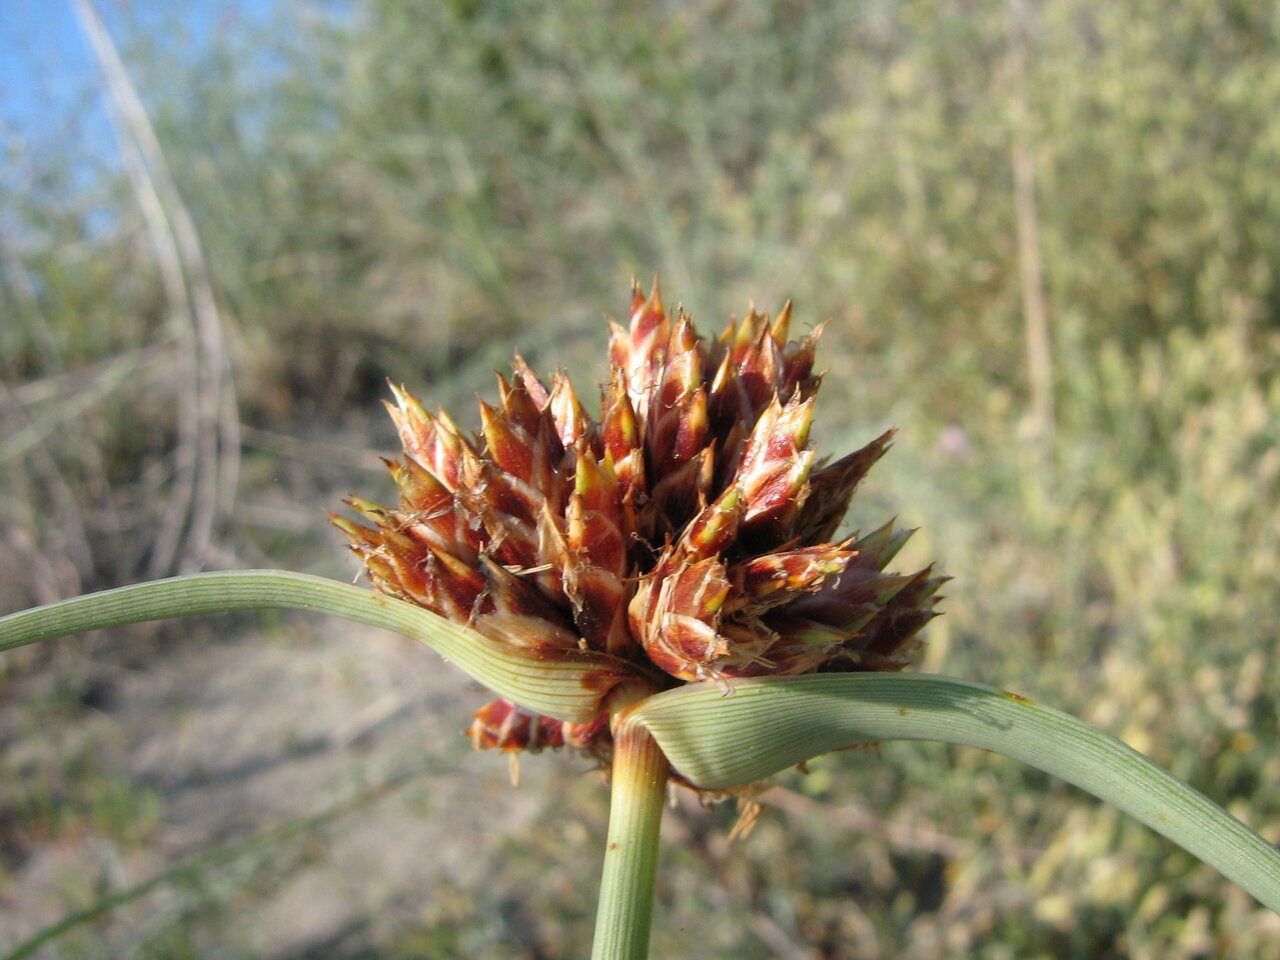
(721, 738)
(569, 685)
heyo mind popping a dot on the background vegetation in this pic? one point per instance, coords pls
(415, 191)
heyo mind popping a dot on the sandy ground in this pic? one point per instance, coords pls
(241, 733)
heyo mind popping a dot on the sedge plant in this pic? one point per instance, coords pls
(660, 588)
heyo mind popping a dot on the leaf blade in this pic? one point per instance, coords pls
(759, 727)
(571, 685)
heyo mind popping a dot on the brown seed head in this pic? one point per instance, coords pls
(687, 529)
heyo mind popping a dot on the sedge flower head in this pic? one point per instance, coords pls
(686, 530)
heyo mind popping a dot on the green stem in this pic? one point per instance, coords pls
(625, 912)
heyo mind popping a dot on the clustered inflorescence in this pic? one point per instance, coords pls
(687, 530)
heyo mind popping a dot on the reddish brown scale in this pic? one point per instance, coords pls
(515, 611)
(798, 377)
(777, 436)
(597, 560)
(501, 725)
(775, 467)
(419, 490)
(599, 606)
(766, 581)
(536, 388)
(573, 426)
(596, 540)
(595, 517)
(678, 617)
(697, 590)
(846, 602)
(512, 540)
(620, 438)
(677, 417)
(517, 479)
(640, 352)
(781, 324)
(619, 428)
(903, 615)
(737, 339)
(453, 584)
(712, 530)
(727, 403)
(405, 581)
(429, 512)
(693, 428)
(674, 499)
(781, 660)
(777, 495)
(728, 457)
(760, 371)
(506, 445)
(518, 405)
(445, 531)
(433, 441)
(590, 736)
(831, 488)
(550, 454)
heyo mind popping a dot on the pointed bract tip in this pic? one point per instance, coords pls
(782, 324)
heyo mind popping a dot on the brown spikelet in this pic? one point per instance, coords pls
(687, 529)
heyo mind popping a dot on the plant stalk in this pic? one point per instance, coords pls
(625, 912)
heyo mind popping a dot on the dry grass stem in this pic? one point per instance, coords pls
(207, 456)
